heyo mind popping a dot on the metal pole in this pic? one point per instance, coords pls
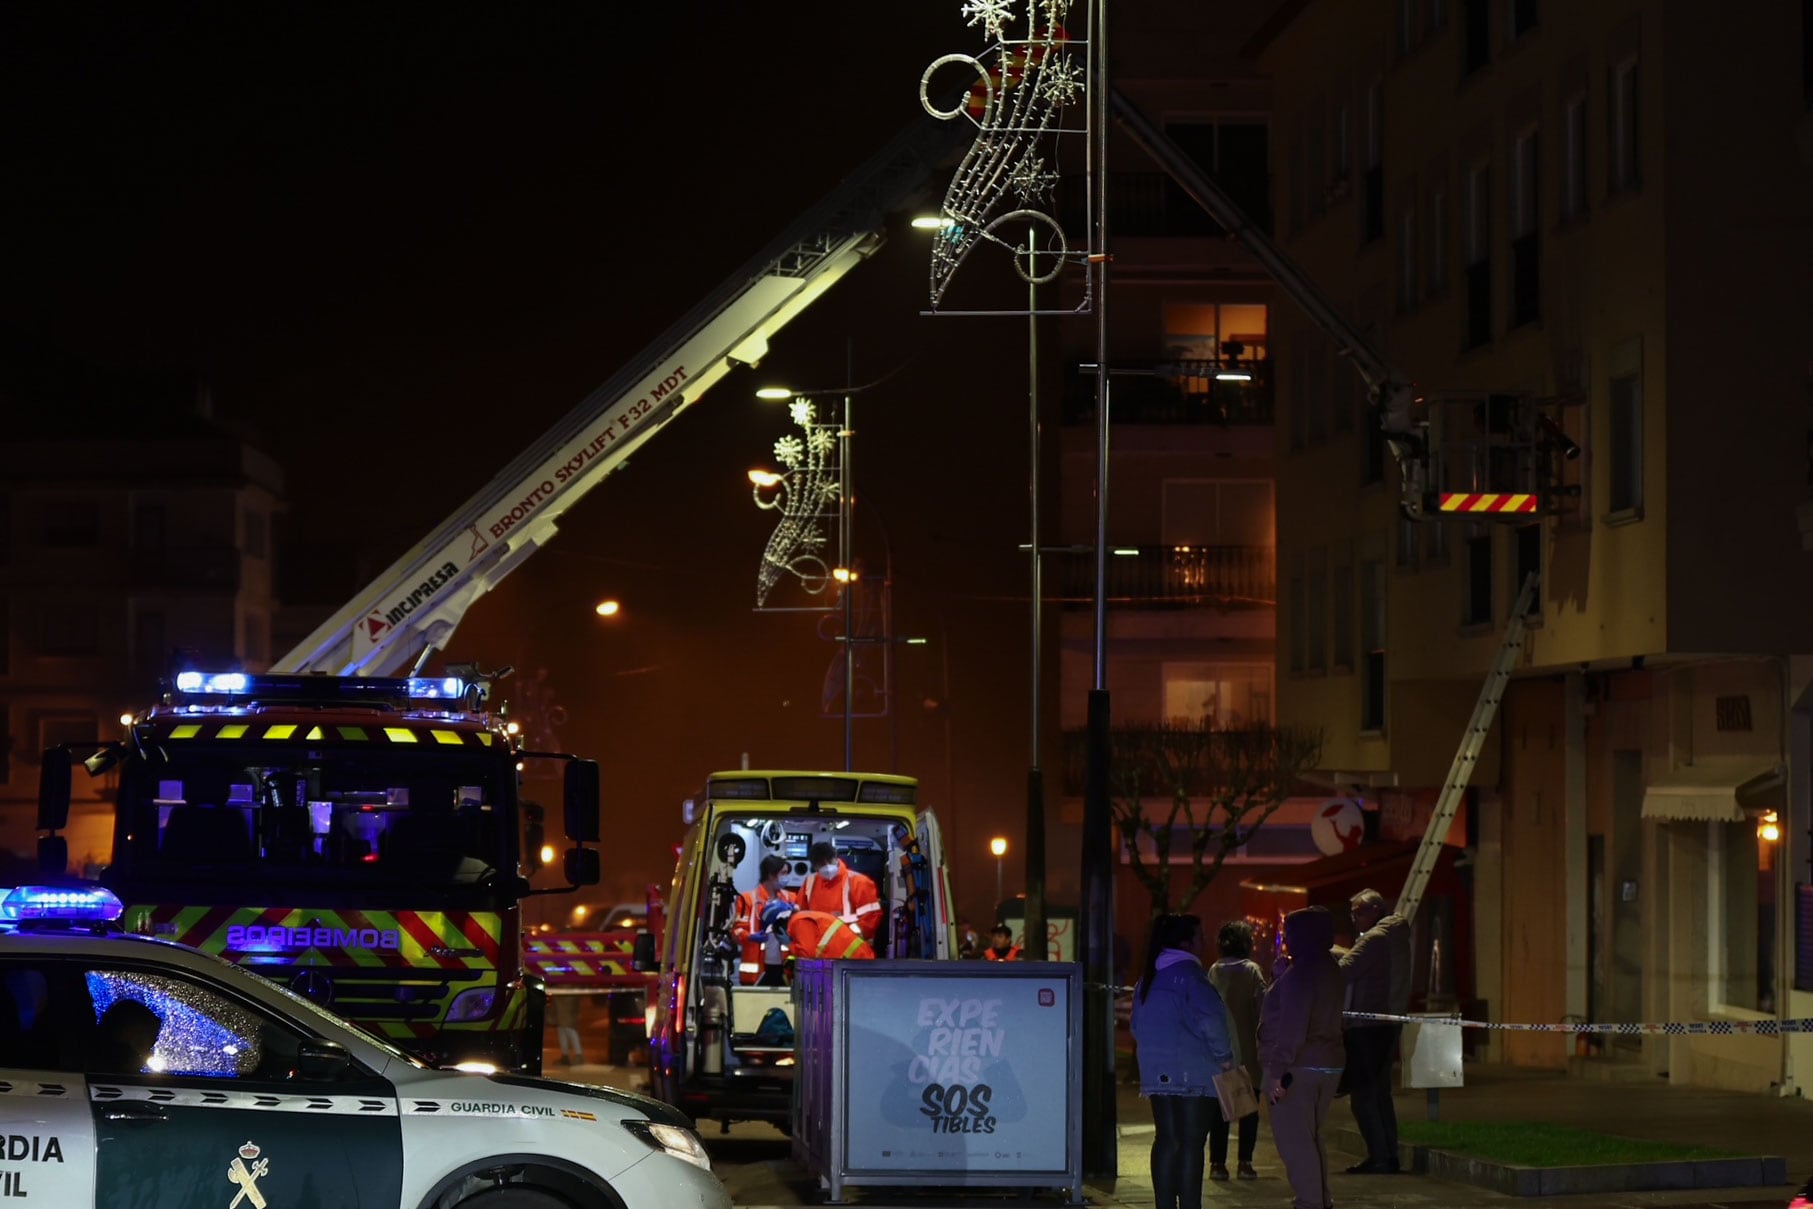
(1034, 934)
(846, 524)
(1100, 1151)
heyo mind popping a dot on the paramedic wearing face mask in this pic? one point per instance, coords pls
(836, 889)
(763, 957)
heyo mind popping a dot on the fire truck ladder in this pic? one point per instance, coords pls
(1460, 774)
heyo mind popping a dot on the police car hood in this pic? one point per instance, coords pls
(465, 1093)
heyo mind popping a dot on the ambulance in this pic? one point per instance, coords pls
(139, 1071)
(723, 1049)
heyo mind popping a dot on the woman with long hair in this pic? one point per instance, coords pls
(1241, 984)
(1181, 1031)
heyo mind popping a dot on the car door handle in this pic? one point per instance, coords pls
(133, 1111)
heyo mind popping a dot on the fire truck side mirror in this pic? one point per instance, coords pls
(583, 868)
(642, 957)
(581, 804)
(53, 789)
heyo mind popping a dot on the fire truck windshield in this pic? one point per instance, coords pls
(390, 815)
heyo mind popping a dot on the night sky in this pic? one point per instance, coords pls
(397, 241)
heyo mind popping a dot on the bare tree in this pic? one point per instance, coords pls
(1222, 786)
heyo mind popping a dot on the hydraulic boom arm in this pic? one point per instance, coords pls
(1390, 392)
(410, 610)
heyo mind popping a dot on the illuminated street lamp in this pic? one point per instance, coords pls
(608, 608)
(998, 846)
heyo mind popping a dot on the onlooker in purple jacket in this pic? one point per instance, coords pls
(1181, 1031)
(1301, 1049)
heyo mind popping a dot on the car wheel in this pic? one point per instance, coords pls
(514, 1198)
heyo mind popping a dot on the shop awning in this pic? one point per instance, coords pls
(1717, 789)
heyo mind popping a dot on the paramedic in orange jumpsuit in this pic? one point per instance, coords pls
(763, 957)
(836, 889)
(817, 933)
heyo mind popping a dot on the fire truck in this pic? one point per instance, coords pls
(354, 827)
(360, 840)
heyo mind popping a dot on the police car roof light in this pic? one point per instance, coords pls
(89, 904)
(437, 687)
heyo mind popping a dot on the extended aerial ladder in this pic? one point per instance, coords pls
(411, 610)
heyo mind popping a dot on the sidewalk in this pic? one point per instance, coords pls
(1738, 1122)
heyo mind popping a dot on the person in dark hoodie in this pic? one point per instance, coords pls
(1301, 1051)
(1181, 1031)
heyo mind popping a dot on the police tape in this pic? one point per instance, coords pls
(1671, 1028)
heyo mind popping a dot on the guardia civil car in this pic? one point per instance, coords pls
(141, 1072)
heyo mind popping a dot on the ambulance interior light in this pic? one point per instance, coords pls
(89, 904)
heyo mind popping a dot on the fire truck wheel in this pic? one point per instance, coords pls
(514, 1198)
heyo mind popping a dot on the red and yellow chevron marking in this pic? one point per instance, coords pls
(511, 1016)
(1486, 502)
(583, 960)
(317, 936)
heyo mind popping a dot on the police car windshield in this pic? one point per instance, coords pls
(234, 813)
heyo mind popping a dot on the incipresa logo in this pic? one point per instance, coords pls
(255, 936)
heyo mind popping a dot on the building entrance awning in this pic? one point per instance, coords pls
(1720, 789)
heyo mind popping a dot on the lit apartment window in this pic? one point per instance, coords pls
(1573, 157)
(1523, 17)
(1372, 645)
(1222, 694)
(1476, 608)
(1622, 164)
(1438, 241)
(1526, 263)
(1372, 208)
(1476, 36)
(1478, 317)
(1317, 619)
(1626, 468)
(1343, 612)
(1407, 280)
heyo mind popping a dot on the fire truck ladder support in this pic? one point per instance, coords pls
(1460, 774)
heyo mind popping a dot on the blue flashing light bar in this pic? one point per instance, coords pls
(210, 687)
(445, 688)
(90, 904)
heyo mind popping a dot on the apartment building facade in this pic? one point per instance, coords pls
(1607, 207)
(115, 554)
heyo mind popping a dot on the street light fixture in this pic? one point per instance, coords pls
(998, 846)
(608, 608)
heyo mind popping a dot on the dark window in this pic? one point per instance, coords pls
(1623, 167)
(72, 523)
(1407, 278)
(6, 746)
(1523, 17)
(6, 637)
(1529, 562)
(1372, 460)
(1438, 242)
(1476, 37)
(1298, 629)
(1372, 643)
(1573, 158)
(1806, 51)
(1438, 16)
(68, 628)
(1407, 26)
(1626, 471)
(1372, 199)
(1343, 617)
(1237, 157)
(1526, 281)
(1477, 608)
(66, 730)
(149, 646)
(6, 529)
(1478, 316)
(148, 528)
(257, 533)
(1317, 620)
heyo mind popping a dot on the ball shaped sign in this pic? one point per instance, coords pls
(1337, 826)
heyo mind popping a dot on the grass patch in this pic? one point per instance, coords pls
(1535, 1144)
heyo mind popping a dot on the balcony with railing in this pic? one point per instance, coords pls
(1173, 575)
(1222, 393)
(1150, 205)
